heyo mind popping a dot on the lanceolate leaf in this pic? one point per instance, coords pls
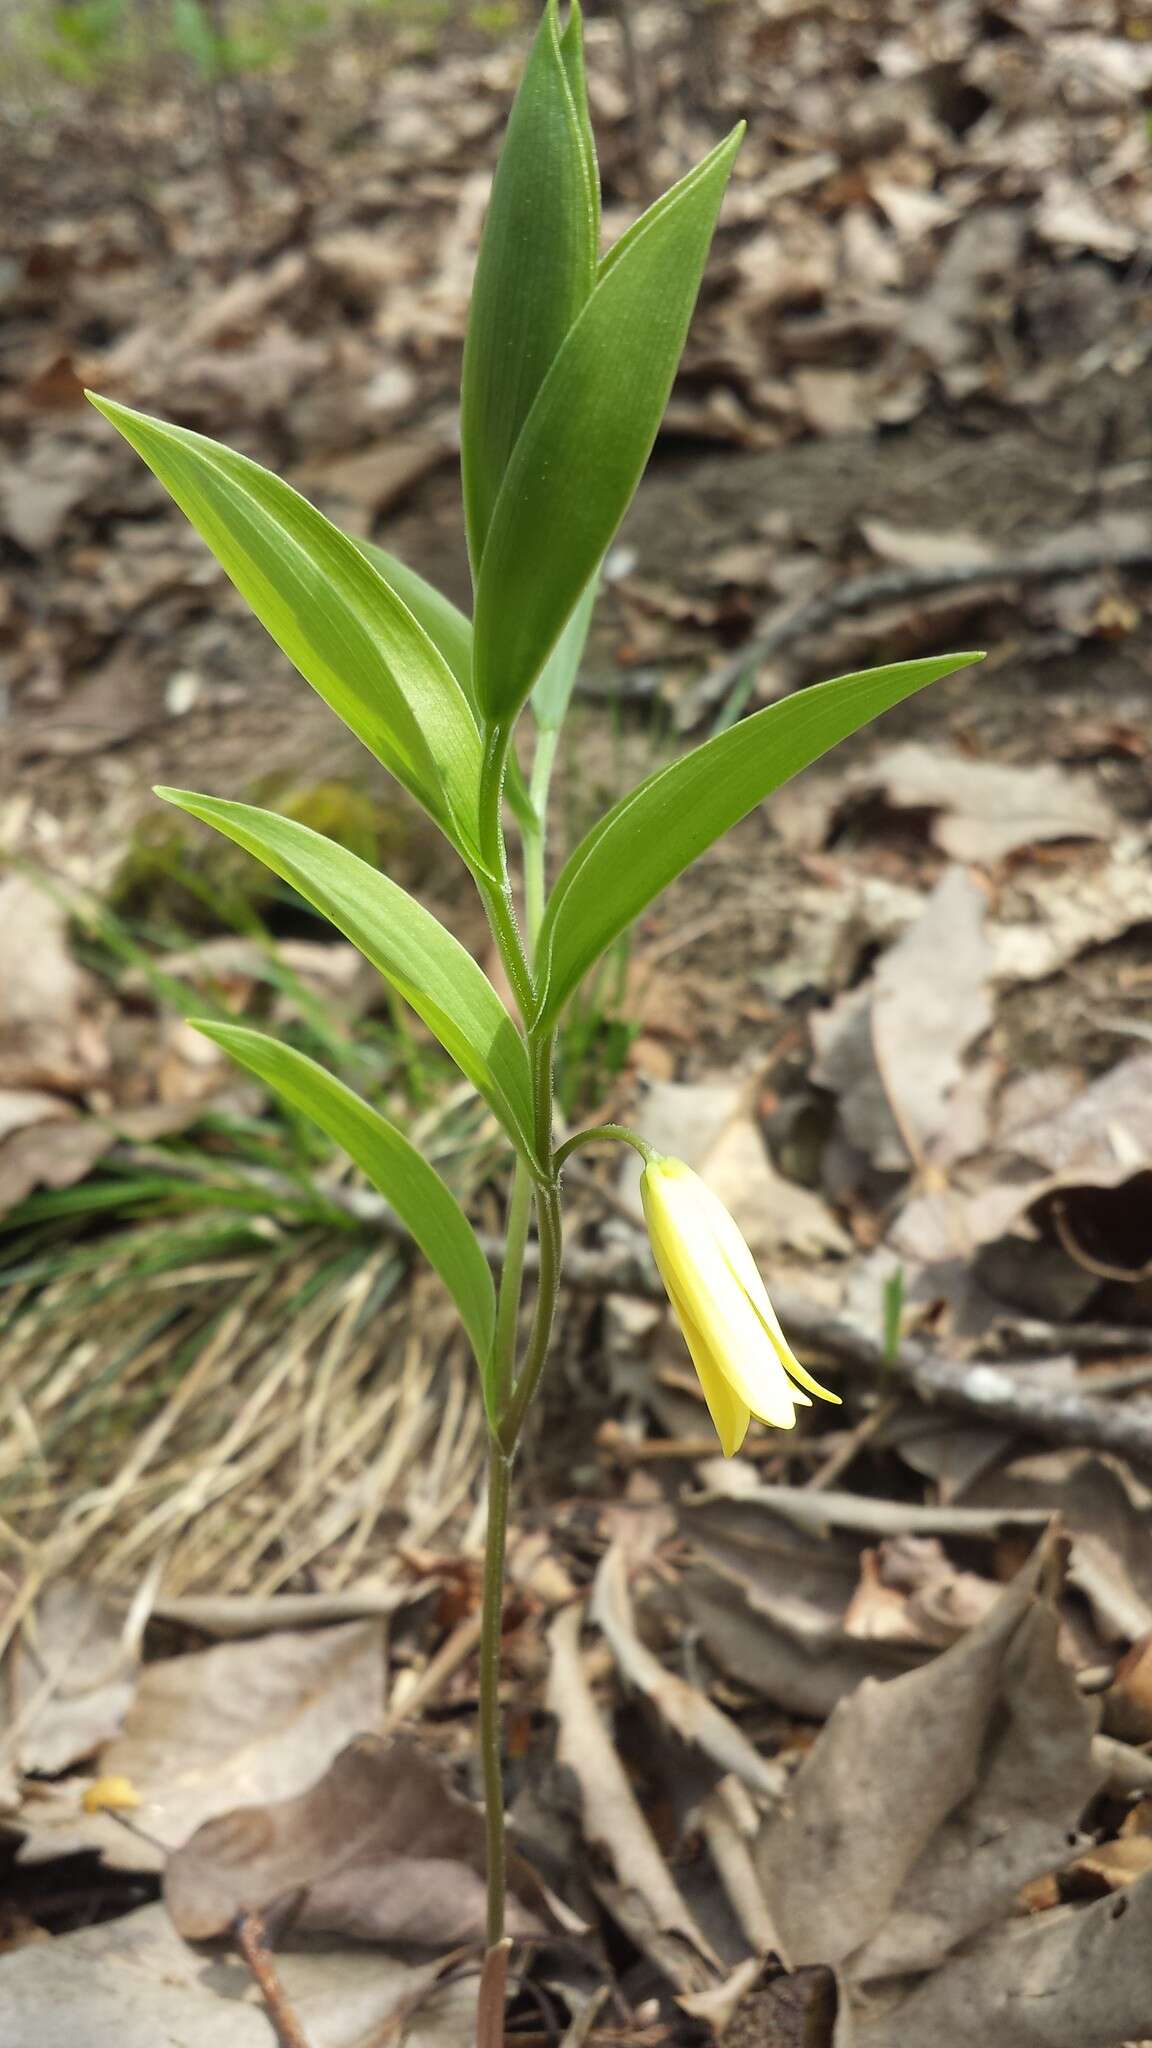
(447, 628)
(655, 832)
(572, 53)
(418, 1195)
(536, 267)
(331, 611)
(583, 447)
(404, 941)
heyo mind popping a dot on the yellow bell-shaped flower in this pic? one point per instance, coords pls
(744, 1362)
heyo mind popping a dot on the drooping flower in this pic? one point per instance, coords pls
(744, 1362)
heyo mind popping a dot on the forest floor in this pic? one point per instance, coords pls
(899, 1019)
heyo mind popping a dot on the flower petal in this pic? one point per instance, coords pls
(731, 1243)
(681, 1215)
(716, 1306)
(730, 1415)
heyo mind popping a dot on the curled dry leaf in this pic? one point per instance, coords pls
(922, 1809)
(910, 1591)
(1106, 1514)
(688, 1711)
(379, 1849)
(645, 1893)
(774, 1574)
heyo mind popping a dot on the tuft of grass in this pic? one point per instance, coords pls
(166, 1323)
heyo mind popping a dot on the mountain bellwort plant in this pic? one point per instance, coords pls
(568, 363)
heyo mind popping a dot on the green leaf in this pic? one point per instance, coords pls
(655, 832)
(572, 53)
(583, 447)
(446, 626)
(536, 267)
(394, 1167)
(408, 946)
(554, 684)
(331, 612)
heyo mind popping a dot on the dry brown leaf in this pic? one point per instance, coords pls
(768, 1601)
(1107, 1514)
(1128, 1707)
(910, 1591)
(915, 548)
(930, 1004)
(981, 810)
(44, 995)
(378, 1849)
(962, 1782)
(1073, 1978)
(39, 496)
(1066, 910)
(67, 1680)
(687, 1710)
(613, 1821)
(240, 1723)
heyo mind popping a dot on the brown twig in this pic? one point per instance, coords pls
(251, 1941)
(797, 617)
(452, 1653)
(980, 1388)
(851, 1443)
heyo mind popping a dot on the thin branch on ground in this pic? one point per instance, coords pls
(797, 617)
(252, 1942)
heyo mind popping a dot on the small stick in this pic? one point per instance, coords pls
(850, 1445)
(797, 617)
(453, 1652)
(251, 1941)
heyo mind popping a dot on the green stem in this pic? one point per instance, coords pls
(511, 1284)
(506, 932)
(492, 771)
(499, 1482)
(512, 1392)
(598, 1134)
(548, 1287)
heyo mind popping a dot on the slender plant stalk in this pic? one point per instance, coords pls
(548, 1287)
(491, 1743)
(512, 1389)
(511, 1285)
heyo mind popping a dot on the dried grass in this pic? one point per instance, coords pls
(295, 1414)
